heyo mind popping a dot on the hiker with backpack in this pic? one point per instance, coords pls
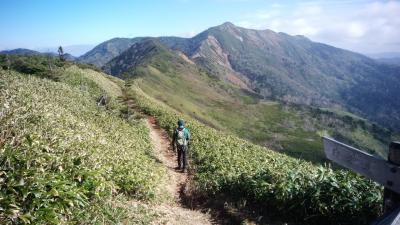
(180, 142)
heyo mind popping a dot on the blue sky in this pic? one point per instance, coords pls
(360, 25)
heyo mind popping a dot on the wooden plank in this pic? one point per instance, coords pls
(391, 199)
(376, 169)
(394, 152)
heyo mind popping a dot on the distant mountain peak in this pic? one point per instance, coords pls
(107, 50)
(20, 51)
(227, 24)
(280, 66)
(151, 41)
(137, 54)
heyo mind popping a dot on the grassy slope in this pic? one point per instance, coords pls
(64, 159)
(289, 188)
(293, 130)
(85, 173)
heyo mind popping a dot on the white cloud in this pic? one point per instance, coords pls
(309, 10)
(356, 29)
(361, 26)
(188, 34)
(276, 5)
(267, 14)
(245, 23)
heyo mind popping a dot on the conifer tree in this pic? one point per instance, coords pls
(61, 53)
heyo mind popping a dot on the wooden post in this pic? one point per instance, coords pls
(391, 199)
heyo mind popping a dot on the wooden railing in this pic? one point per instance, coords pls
(384, 172)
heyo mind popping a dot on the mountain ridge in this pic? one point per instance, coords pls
(134, 56)
(20, 51)
(107, 50)
(29, 52)
(286, 68)
(169, 77)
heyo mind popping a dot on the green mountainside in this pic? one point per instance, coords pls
(64, 159)
(288, 68)
(295, 130)
(230, 169)
(295, 69)
(139, 53)
(256, 103)
(106, 51)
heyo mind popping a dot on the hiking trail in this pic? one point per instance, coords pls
(174, 211)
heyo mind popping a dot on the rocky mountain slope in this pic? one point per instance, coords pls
(286, 68)
(176, 80)
(295, 69)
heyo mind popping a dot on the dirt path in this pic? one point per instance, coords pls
(175, 212)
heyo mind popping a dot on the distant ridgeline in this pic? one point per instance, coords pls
(28, 52)
(274, 89)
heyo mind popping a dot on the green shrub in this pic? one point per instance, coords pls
(225, 164)
(62, 157)
(41, 66)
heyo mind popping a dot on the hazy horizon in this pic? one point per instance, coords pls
(363, 26)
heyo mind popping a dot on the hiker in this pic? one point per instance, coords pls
(180, 142)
